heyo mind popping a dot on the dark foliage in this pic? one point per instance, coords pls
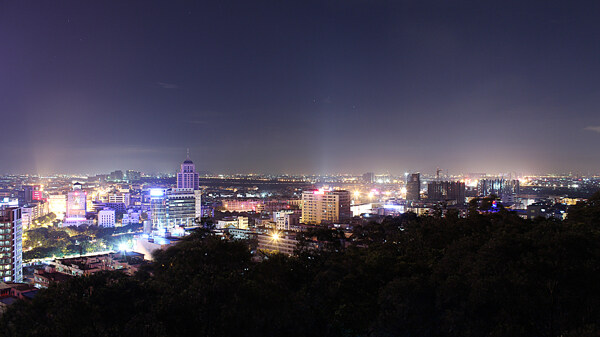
(485, 275)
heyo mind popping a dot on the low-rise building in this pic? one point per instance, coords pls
(10, 292)
(128, 262)
(121, 198)
(281, 242)
(240, 234)
(287, 219)
(32, 211)
(68, 222)
(242, 205)
(131, 217)
(42, 278)
(240, 222)
(547, 210)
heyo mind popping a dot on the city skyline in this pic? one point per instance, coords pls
(300, 168)
(300, 87)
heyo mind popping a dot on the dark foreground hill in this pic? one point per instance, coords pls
(486, 275)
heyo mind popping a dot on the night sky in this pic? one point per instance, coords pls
(300, 86)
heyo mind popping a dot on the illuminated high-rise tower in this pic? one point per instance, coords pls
(11, 245)
(325, 206)
(188, 178)
(158, 208)
(76, 202)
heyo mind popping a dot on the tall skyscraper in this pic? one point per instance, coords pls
(325, 206)
(158, 208)
(413, 187)
(11, 245)
(76, 202)
(368, 178)
(188, 178)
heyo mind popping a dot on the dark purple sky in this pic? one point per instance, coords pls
(300, 86)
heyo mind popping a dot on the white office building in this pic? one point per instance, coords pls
(106, 218)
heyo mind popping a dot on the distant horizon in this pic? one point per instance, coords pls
(398, 174)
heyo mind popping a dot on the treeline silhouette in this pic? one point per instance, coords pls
(483, 275)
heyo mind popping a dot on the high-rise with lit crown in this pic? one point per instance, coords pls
(76, 202)
(188, 178)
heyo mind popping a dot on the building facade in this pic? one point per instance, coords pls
(132, 176)
(502, 188)
(413, 187)
(240, 222)
(131, 217)
(116, 175)
(123, 198)
(242, 205)
(181, 207)
(198, 198)
(325, 206)
(280, 242)
(30, 212)
(76, 203)
(368, 178)
(33, 193)
(57, 204)
(449, 191)
(158, 208)
(106, 218)
(11, 245)
(287, 219)
(187, 177)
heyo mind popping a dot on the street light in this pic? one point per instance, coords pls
(276, 238)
